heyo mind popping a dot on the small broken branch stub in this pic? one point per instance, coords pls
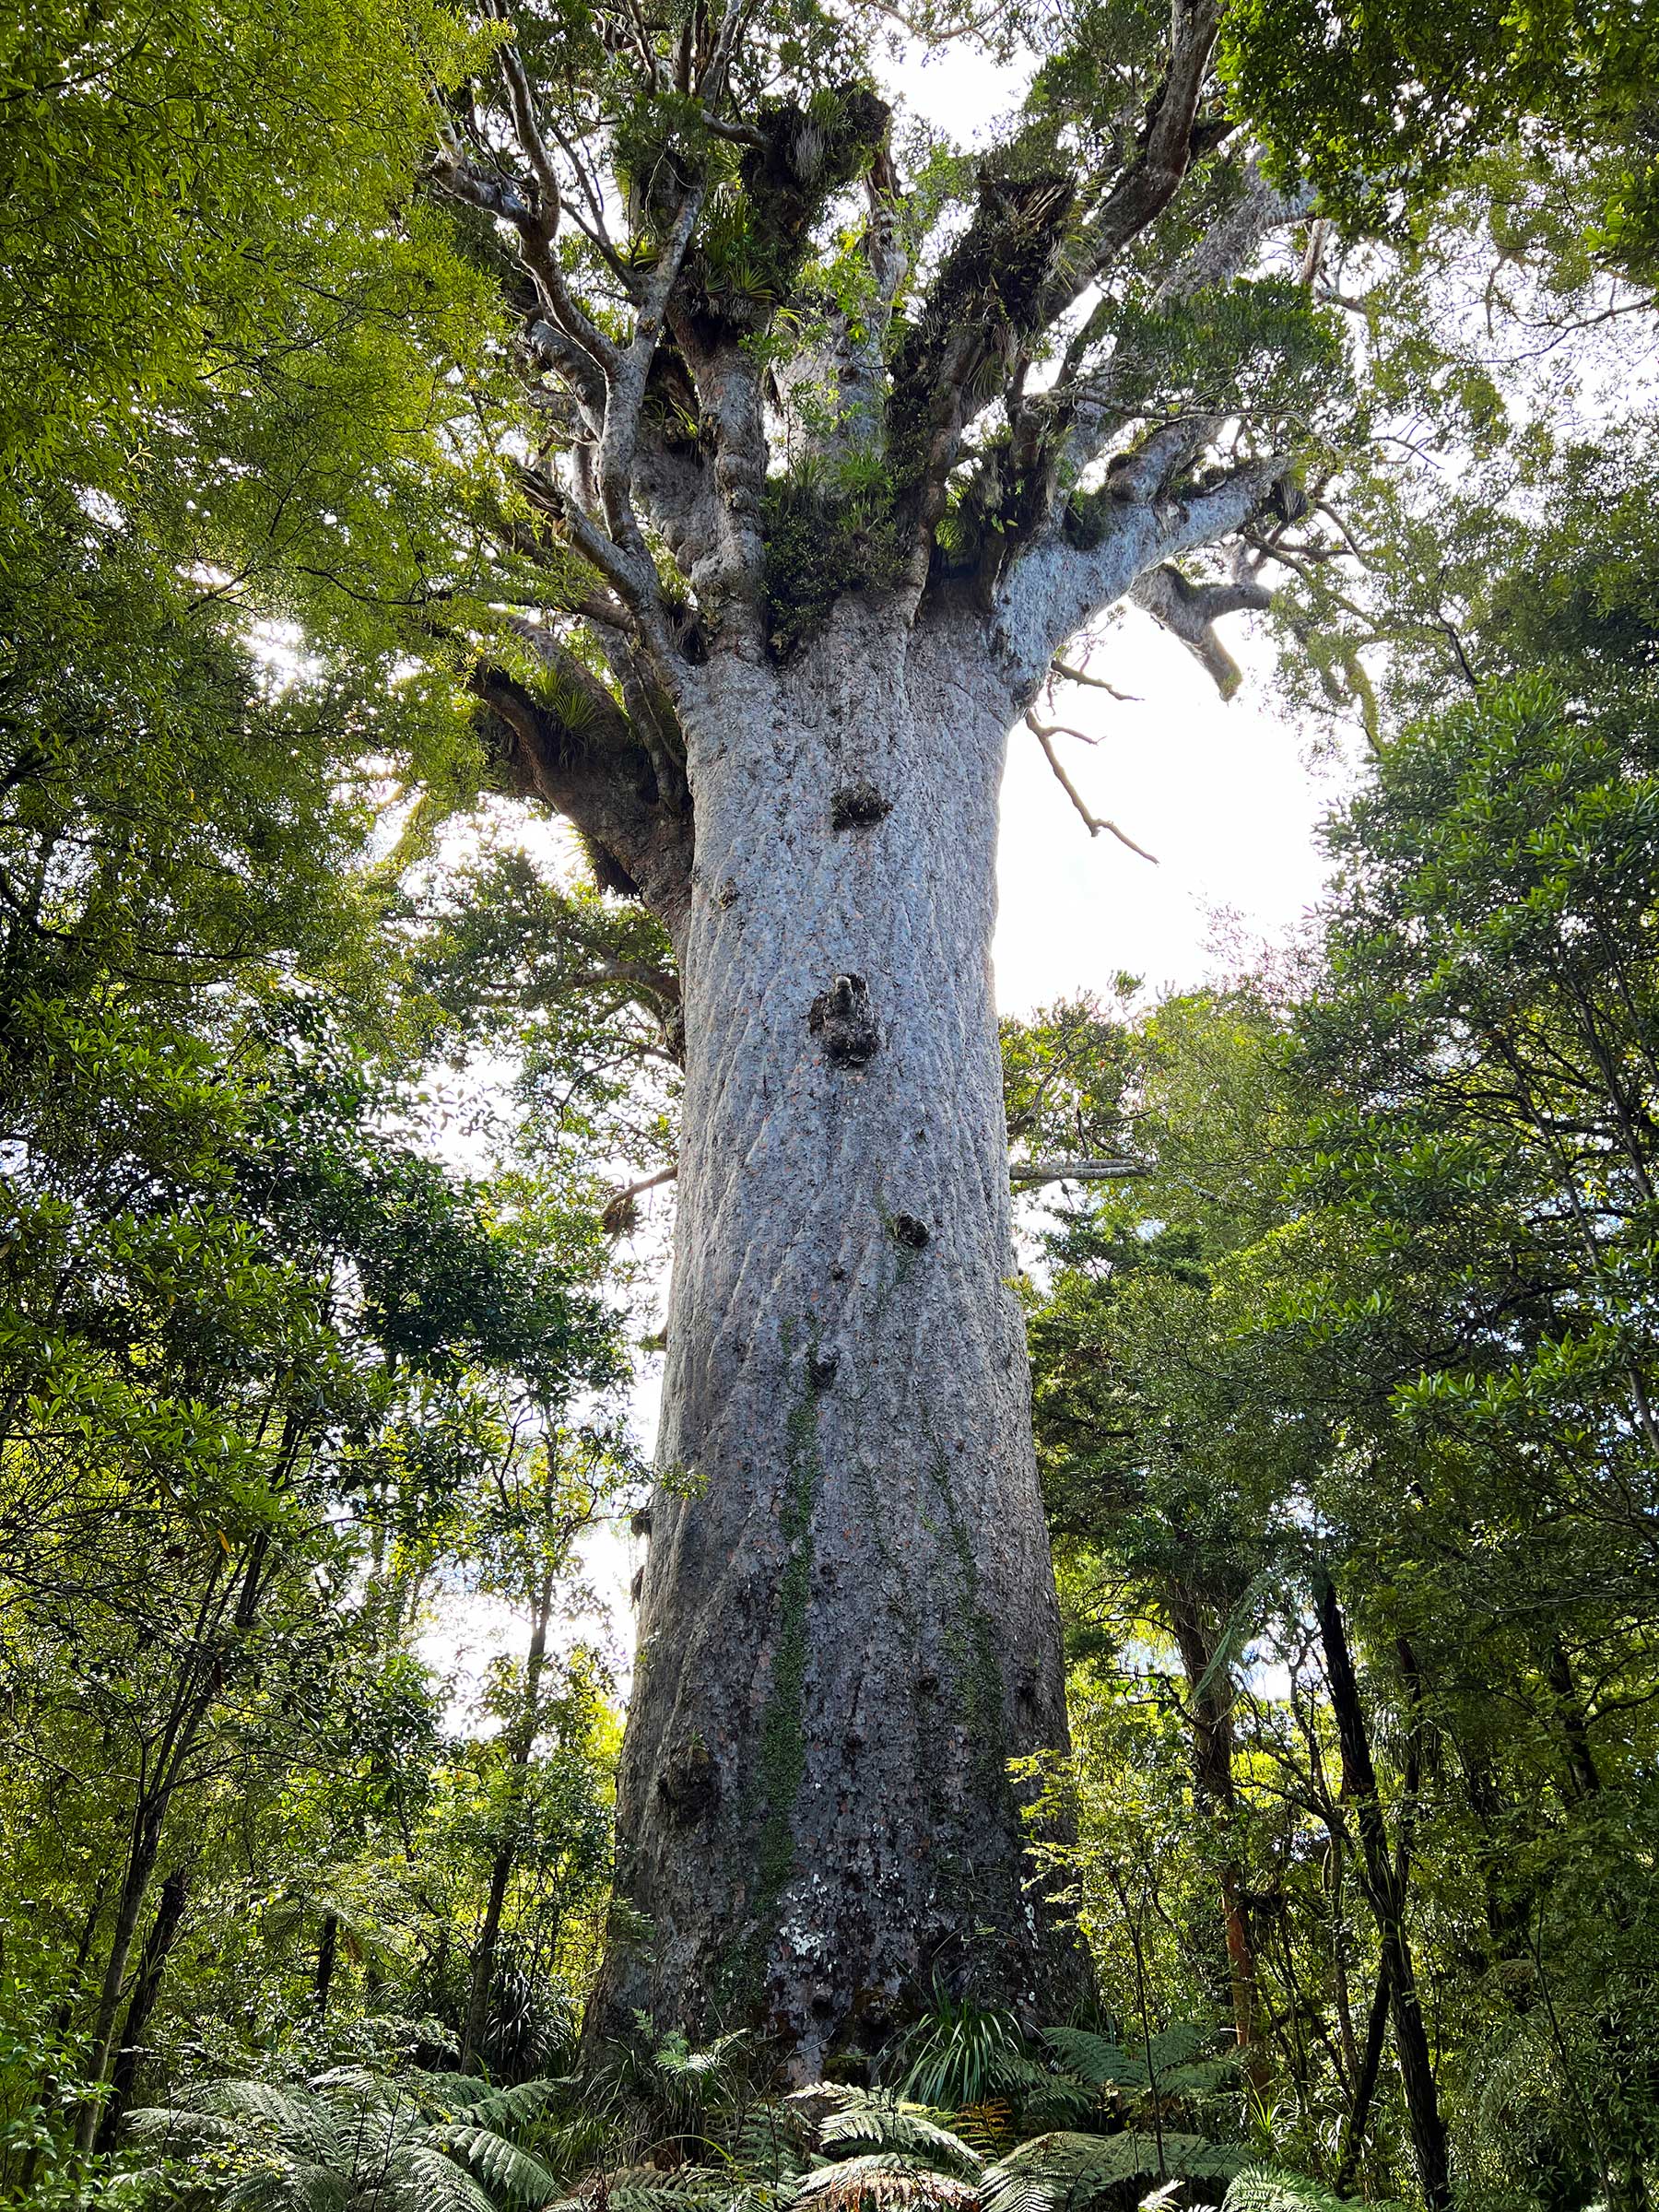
(858, 805)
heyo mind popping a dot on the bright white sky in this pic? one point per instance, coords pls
(1222, 793)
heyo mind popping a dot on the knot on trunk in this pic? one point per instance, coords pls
(840, 1017)
(821, 1364)
(690, 1780)
(858, 805)
(909, 1231)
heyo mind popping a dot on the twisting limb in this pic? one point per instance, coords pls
(625, 400)
(1227, 246)
(593, 355)
(1142, 472)
(1095, 823)
(1190, 611)
(1059, 586)
(636, 593)
(1058, 729)
(1167, 147)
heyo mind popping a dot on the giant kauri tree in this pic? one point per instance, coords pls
(826, 443)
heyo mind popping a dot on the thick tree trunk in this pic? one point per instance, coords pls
(848, 1623)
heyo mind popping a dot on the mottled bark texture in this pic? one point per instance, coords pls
(801, 534)
(848, 1623)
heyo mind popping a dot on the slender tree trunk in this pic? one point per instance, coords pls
(848, 1621)
(157, 1947)
(192, 1698)
(520, 1744)
(1365, 2086)
(1210, 1710)
(328, 1951)
(1384, 1891)
(141, 1850)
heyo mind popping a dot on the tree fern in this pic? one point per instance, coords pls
(353, 2141)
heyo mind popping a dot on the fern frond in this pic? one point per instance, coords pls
(1269, 2189)
(884, 2180)
(177, 2125)
(768, 2143)
(906, 2128)
(429, 2181)
(1065, 2170)
(646, 2189)
(1095, 2059)
(988, 2127)
(500, 2109)
(303, 2125)
(292, 2188)
(509, 2172)
(1178, 2046)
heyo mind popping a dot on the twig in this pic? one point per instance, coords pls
(1096, 822)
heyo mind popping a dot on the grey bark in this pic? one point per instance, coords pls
(849, 1623)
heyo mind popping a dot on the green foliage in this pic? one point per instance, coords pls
(1381, 104)
(958, 2053)
(1380, 1307)
(1062, 2170)
(825, 539)
(348, 2139)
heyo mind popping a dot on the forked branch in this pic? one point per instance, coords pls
(1045, 733)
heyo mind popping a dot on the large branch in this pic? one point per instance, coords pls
(1190, 611)
(619, 443)
(1071, 573)
(1074, 421)
(598, 773)
(1169, 141)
